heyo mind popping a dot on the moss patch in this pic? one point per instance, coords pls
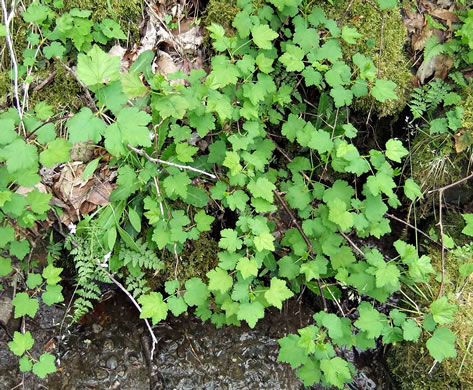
(63, 93)
(393, 64)
(128, 13)
(196, 259)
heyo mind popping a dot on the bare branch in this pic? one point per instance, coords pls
(159, 161)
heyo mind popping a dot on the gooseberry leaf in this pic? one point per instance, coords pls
(219, 280)
(38, 201)
(97, 67)
(291, 352)
(20, 249)
(203, 221)
(24, 305)
(53, 294)
(442, 311)
(21, 342)
(25, 364)
(411, 332)
(34, 280)
(5, 266)
(263, 35)
(196, 292)
(45, 365)
(412, 190)
(251, 312)
(58, 151)
(51, 274)
(370, 320)
(468, 229)
(395, 151)
(277, 293)
(55, 49)
(350, 35)
(384, 90)
(229, 240)
(442, 344)
(264, 240)
(177, 184)
(177, 305)
(153, 307)
(247, 267)
(111, 29)
(19, 155)
(385, 4)
(292, 58)
(336, 371)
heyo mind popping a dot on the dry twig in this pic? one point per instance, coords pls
(163, 162)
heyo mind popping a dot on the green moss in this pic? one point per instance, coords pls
(63, 93)
(128, 13)
(221, 12)
(196, 259)
(393, 64)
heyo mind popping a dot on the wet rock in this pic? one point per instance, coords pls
(96, 328)
(112, 363)
(108, 345)
(101, 374)
(5, 309)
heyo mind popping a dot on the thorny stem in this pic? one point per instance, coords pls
(412, 227)
(121, 287)
(7, 19)
(306, 239)
(159, 161)
(452, 185)
(442, 253)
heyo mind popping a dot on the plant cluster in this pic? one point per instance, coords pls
(265, 135)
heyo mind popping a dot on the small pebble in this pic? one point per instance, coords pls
(96, 328)
(112, 362)
(108, 345)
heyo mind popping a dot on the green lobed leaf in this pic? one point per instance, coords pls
(219, 280)
(442, 344)
(153, 307)
(251, 312)
(442, 311)
(24, 305)
(277, 293)
(58, 151)
(53, 294)
(21, 343)
(46, 365)
(263, 35)
(97, 67)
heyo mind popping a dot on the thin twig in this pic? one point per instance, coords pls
(121, 287)
(159, 161)
(452, 185)
(345, 13)
(306, 239)
(442, 253)
(412, 227)
(91, 100)
(352, 243)
(45, 82)
(280, 150)
(48, 121)
(14, 63)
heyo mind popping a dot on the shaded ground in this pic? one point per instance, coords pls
(108, 351)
